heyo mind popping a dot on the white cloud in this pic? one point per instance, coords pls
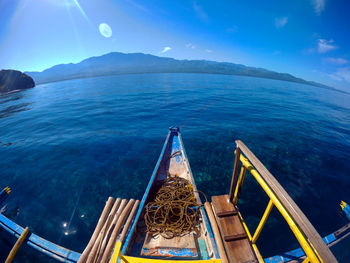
(337, 61)
(335, 77)
(165, 49)
(209, 50)
(342, 74)
(202, 15)
(324, 45)
(281, 21)
(319, 6)
(190, 45)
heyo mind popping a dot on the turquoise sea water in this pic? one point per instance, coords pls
(66, 146)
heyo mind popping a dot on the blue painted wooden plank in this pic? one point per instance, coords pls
(173, 252)
(203, 249)
(210, 232)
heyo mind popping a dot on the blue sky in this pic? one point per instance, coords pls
(307, 38)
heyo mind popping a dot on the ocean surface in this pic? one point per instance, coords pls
(66, 146)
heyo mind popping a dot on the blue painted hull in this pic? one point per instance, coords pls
(173, 145)
(52, 250)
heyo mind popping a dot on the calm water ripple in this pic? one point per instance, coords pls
(66, 146)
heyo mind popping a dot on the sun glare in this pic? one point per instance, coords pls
(79, 7)
(105, 30)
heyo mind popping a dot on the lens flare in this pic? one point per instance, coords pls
(105, 30)
(80, 9)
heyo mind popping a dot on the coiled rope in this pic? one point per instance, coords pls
(174, 211)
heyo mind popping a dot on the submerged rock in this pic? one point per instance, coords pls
(14, 80)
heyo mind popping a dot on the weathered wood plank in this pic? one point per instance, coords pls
(240, 251)
(292, 208)
(222, 206)
(158, 246)
(234, 174)
(230, 225)
(235, 239)
(216, 231)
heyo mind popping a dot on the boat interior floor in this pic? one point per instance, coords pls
(189, 245)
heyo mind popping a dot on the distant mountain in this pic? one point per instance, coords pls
(119, 63)
(13, 80)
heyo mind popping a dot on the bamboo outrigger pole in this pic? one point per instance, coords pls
(104, 236)
(98, 228)
(109, 248)
(128, 222)
(18, 243)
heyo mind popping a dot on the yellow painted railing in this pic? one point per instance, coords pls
(127, 259)
(311, 242)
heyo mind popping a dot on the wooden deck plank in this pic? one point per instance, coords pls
(235, 239)
(240, 251)
(230, 225)
(222, 206)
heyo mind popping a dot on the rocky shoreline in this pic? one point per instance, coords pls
(13, 81)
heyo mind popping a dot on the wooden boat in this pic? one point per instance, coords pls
(221, 234)
(172, 161)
